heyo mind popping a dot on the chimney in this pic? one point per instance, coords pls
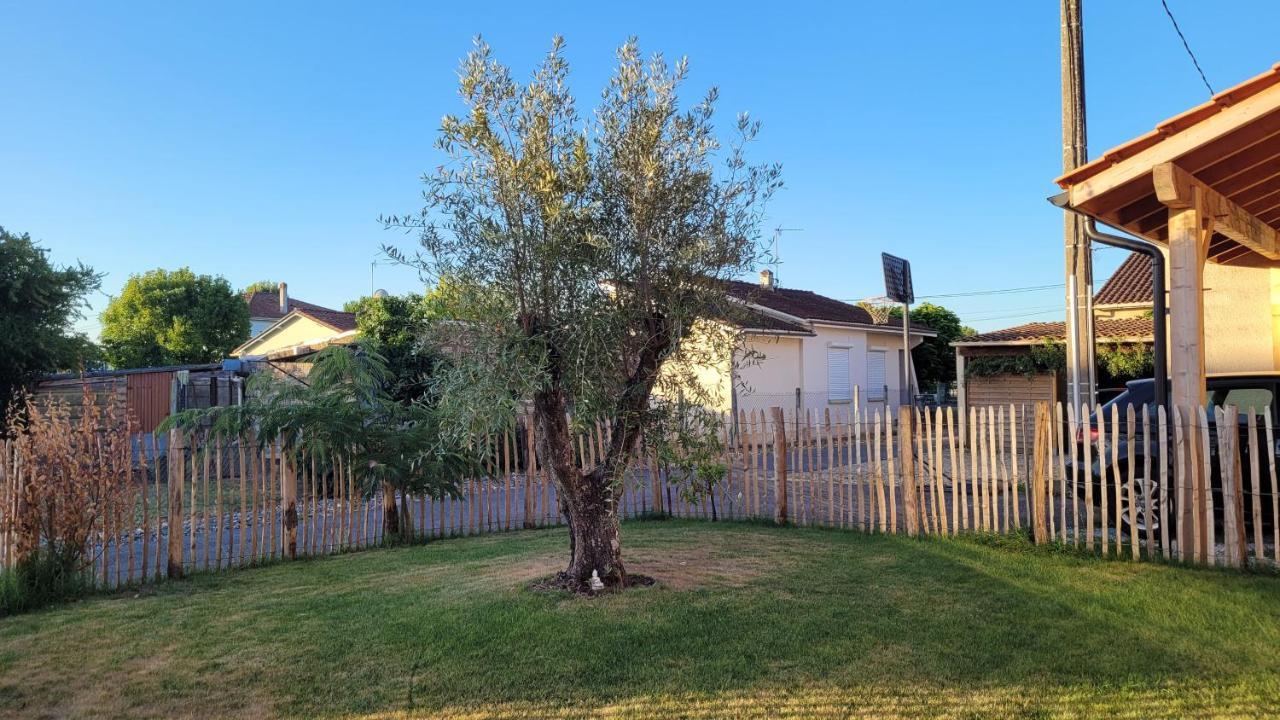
(284, 299)
(766, 279)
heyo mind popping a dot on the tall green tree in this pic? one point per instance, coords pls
(934, 359)
(585, 249)
(39, 301)
(261, 286)
(396, 325)
(174, 317)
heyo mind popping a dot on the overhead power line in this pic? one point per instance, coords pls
(1009, 317)
(1194, 61)
(1002, 291)
(976, 293)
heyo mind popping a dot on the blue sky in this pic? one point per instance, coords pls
(262, 140)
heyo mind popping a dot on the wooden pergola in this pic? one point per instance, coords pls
(1205, 185)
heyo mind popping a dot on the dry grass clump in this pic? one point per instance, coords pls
(67, 471)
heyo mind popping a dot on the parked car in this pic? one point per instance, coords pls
(1256, 392)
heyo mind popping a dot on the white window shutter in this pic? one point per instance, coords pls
(875, 375)
(839, 384)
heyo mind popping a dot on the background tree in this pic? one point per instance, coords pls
(585, 251)
(173, 318)
(38, 303)
(270, 286)
(397, 323)
(934, 359)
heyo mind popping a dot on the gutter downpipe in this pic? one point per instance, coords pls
(1159, 311)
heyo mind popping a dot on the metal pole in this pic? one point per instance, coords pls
(906, 352)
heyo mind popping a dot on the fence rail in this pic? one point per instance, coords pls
(1186, 486)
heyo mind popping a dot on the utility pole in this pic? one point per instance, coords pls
(1081, 369)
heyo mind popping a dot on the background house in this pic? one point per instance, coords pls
(1239, 337)
(801, 349)
(278, 322)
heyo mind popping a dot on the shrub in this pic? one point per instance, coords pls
(72, 471)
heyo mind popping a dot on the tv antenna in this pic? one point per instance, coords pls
(776, 256)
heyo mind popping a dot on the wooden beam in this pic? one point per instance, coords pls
(1226, 121)
(1180, 190)
(1188, 245)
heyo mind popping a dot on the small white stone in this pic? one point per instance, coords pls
(596, 584)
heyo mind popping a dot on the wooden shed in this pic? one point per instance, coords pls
(1029, 387)
(148, 395)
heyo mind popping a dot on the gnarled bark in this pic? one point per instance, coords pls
(586, 499)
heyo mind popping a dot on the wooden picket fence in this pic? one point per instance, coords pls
(199, 506)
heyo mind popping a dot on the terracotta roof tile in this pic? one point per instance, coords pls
(808, 305)
(343, 321)
(1121, 329)
(1129, 284)
(267, 305)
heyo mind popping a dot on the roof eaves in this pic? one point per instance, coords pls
(915, 329)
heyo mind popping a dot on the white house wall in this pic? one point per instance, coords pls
(801, 362)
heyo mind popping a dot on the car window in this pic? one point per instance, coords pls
(1257, 399)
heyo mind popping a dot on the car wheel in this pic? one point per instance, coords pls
(1144, 516)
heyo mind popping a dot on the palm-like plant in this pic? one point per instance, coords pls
(344, 411)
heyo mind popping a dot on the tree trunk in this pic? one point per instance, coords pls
(593, 527)
(390, 515)
(586, 498)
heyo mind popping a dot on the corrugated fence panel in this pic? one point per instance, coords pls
(149, 398)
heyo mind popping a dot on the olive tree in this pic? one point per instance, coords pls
(583, 252)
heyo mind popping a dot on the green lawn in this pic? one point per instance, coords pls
(748, 621)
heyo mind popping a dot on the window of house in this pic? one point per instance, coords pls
(839, 383)
(875, 376)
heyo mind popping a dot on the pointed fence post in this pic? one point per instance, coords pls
(178, 462)
(1042, 459)
(289, 498)
(907, 467)
(780, 465)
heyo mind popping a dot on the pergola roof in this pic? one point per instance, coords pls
(1225, 151)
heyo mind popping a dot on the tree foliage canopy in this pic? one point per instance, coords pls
(934, 358)
(38, 303)
(398, 325)
(171, 318)
(345, 410)
(582, 250)
(261, 286)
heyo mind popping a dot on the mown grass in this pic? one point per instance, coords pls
(749, 621)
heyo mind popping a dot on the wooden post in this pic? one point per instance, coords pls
(1206, 543)
(146, 507)
(177, 450)
(1255, 482)
(506, 484)
(1275, 491)
(1165, 490)
(530, 472)
(1103, 472)
(217, 465)
(779, 465)
(244, 509)
(289, 498)
(908, 469)
(1181, 488)
(1041, 458)
(1131, 462)
(1189, 232)
(1233, 537)
(1148, 471)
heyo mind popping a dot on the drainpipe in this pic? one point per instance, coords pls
(1160, 350)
